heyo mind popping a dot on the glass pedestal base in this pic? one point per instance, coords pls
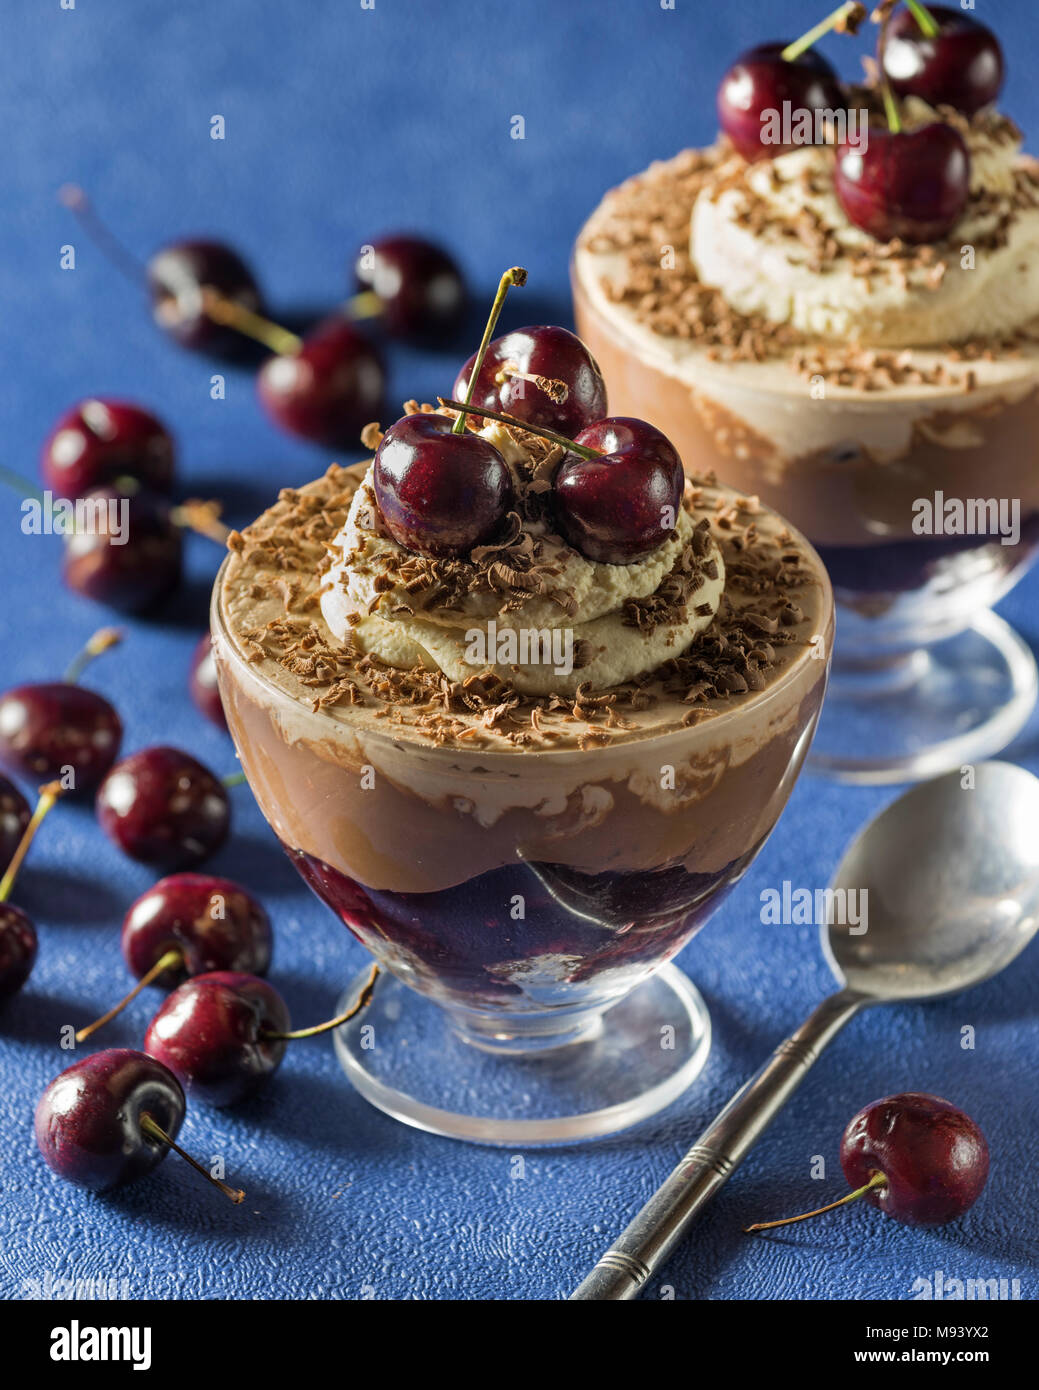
(922, 713)
(412, 1059)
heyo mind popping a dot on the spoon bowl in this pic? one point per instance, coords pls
(946, 881)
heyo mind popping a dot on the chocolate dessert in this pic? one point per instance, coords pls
(520, 775)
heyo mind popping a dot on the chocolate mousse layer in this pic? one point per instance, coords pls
(494, 846)
(840, 379)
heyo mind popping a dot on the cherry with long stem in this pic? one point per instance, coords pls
(50, 795)
(516, 275)
(156, 1132)
(362, 1001)
(876, 1181)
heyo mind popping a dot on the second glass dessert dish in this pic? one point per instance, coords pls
(853, 336)
(522, 746)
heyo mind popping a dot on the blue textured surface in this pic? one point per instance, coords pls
(342, 122)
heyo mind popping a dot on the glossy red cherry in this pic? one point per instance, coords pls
(203, 684)
(59, 730)
(420, 290)
(328, 390)
(761, 81)
(18, 946)
(621, 505)
(89, 1119)
(129, 554)
(14, 818)
(179, 277)
(104, 441)
(913, 184)
(438, 492)
(215, 1031)
(960, 66)
(934, 1158)
(521, 374)
(162, 807)
(211, 923)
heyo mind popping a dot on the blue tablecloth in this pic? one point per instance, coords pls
(342, 121)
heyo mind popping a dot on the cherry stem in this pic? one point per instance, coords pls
(363, 1000)
(76, 200)
(365, 305)
(101, 641)
(877, 1180)
(155, 1131)
(231, 314)
(233, 779)
(202, 517)
(557, 391)
(926, 20)
(167, 962)
(49, 795)
(850, 15)
(580, 450)
(22, 486)
(516, 276)
(894, 119)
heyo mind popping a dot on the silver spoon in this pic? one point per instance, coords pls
(952, 876)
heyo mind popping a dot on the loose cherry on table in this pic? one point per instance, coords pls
(162, 807)
(111, 1118)
(944, 56)
(190, 924)
(325, 386)
(224, 1035)
(412, 285)
(58, 729)
(913, 1156)
(765, 77)
(101, 441)
(131, 570)
(440, 488)
(202, 682)
(542, 375)
(14, 817)
(178, 279)
(18, 941)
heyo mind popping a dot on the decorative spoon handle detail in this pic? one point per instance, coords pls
(662, 1222)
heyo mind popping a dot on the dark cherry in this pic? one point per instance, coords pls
(104, 441)
(913, 184)
(329, 390)
(420, 289)
(761, 80)
(960, 66)
(541, 350)
(178, 277)
(17, 949)
(214, 924)
(14, 818)
(933, 1156)
(131, 575)
(162, 807)
(212, 1034)
(612, 508)
(49, 728)
(202, 682)
(89, 1119)
(440, 493)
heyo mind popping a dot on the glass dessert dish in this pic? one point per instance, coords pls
(522, 865)
(882, 396)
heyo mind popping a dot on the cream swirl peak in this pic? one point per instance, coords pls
(775, 240)
(530, 607)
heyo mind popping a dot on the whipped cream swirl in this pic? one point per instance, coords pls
(756, 235)
(530, 644)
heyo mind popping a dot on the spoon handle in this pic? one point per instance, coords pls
(660, 1224)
